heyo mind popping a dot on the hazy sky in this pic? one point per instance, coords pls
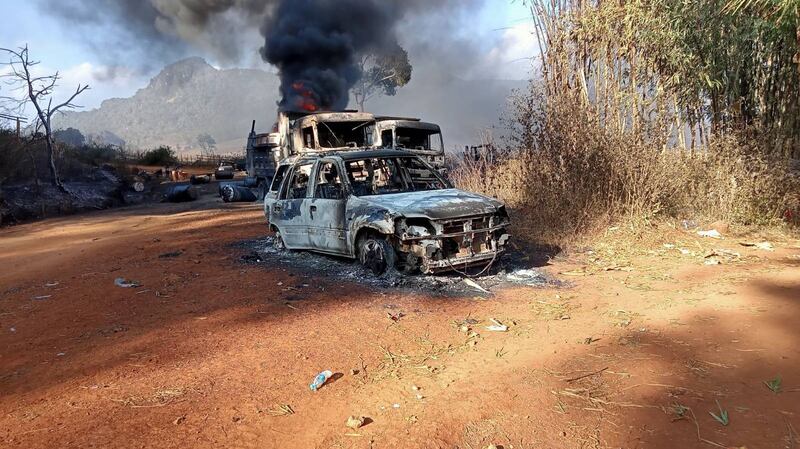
(492, 41)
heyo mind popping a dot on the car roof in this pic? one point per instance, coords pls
(350, 155)
(347, 155)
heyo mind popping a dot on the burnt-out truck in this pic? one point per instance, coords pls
(411, 134)
(350, 184)
(296, 134)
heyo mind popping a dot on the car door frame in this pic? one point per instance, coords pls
(291, 215)
(328, 218)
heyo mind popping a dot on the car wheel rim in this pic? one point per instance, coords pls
(373, 257)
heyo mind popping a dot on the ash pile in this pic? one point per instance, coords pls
(513, 269)
(100, 188)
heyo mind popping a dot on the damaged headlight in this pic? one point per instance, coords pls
(409, 228)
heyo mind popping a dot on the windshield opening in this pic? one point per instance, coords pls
(418, 139)
(344, 134)
(381, 176)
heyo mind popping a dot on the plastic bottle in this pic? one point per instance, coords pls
(320, 379)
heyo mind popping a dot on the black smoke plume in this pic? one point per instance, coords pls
(316, 45)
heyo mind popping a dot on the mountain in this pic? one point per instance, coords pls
(190, 97)
(186, 99)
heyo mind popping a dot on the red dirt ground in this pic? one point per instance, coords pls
(207, 349)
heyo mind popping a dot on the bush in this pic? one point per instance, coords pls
(163, 155)
(564, 174)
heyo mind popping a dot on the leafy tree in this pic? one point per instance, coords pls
(70, 136)
(162, 155)
(381, 74)
(207, 144)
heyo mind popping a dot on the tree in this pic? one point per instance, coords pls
(70, 136)
(207, 144)
(38, 91)
(382, 73)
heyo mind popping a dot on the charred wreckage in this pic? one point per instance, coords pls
(342, 185)
(350, 183)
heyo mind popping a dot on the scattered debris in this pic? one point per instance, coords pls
(41, 297)
(254, 257)
(512, 269)
(497, 326)
(712, 233)
(281, 410)
(121, 282)
(774, 384)
(179, 420)
(689, 224)
(395, 316)
(200, 179)
(526, 276)
(355, 422)
(170, 254)
(718, 255)
(51, 284)
(320, 380)
(766, 246)
(475, 285)
(593, 373)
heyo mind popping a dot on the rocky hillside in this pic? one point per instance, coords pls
(190, 97)
(186, 99)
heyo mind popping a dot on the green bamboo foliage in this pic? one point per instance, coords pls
(678, 73)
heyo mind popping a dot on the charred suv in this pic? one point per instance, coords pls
(387, 208)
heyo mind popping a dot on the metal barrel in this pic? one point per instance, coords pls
(200, 179)
(181, 193)
(232, 193)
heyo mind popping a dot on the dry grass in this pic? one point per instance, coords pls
(563, 175)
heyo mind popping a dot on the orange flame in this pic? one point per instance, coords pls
(306, 100)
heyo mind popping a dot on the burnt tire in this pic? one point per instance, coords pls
(277, 242)
(376, 253)
(261, 191)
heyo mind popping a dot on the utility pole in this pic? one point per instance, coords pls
(18, 120)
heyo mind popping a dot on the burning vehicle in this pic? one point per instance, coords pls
(387, 208)
(411, 134)
(297, 133)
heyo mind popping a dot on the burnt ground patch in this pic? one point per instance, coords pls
(514, 268)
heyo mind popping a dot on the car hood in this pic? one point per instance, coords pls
(435, 204)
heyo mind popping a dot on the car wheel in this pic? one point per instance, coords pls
(277, 242)
(262, 191)
(376, 254)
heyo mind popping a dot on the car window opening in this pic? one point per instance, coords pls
(343, 134)
(418, 139)
(380, 176)
(298, 185)
(329, 184)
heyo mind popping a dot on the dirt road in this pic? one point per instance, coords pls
(213, 352)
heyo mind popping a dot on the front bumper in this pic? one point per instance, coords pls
(454, 250)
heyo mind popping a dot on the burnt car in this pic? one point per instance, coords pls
(225, 170)
(387, 208)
